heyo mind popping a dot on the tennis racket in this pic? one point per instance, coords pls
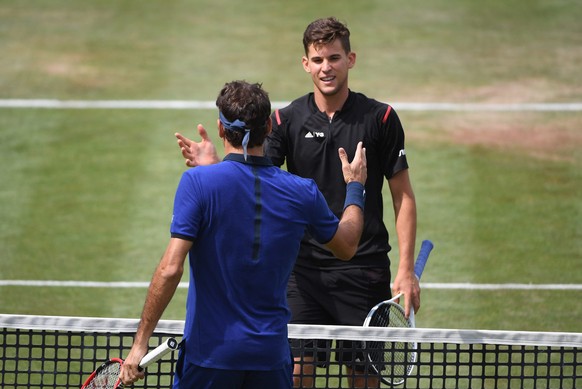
(107, 375)
(394, 361)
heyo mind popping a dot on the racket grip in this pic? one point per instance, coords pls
(169, 345)
(425, 249)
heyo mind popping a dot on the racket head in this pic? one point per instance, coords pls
(105, 376)
(393, 361)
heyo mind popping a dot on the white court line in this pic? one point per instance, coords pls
(186, 104)
(424, 285)
(470, 286)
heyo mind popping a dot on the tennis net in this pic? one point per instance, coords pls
(60, 352)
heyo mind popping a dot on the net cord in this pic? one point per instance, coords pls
(301, 331)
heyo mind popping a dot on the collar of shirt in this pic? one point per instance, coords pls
(347, 104)
(251, 159)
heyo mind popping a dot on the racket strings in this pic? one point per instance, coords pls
(106, 377)
(393, 360)
(389, 315)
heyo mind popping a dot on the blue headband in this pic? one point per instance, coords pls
(237, 125)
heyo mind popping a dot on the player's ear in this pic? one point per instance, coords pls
(351, 59)
(220, 128)
(305, 62)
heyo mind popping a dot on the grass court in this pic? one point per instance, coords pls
(86, 194)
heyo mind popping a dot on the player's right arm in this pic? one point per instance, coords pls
(161, 290)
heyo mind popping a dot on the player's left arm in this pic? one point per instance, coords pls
(405, 216)
(163, 285)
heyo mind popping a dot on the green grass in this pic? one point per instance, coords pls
(499, 213)
(447, 50)
(87, 194)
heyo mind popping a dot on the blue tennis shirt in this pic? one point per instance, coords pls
(246, 220)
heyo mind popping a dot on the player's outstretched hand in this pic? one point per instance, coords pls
(357, 169)
(197, 153)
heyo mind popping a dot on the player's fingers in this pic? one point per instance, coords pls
(364, 160)
(203, 133)
(181, 143)
(407, 305)
(396, 295)
(126, 375)
(360, 157)
(131, 378)
(343, 156)
(186, 154)
(182, 139)
(416, 301)
(122, 375)
(185, 150)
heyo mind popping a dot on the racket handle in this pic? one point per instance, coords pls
(423, 254)
(169, 345)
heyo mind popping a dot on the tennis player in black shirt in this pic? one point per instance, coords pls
(306, 135)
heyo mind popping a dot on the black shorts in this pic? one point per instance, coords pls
(335, 296)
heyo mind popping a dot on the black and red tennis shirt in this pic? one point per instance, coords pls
(307, 140)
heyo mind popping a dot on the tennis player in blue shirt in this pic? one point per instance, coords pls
(241, 221)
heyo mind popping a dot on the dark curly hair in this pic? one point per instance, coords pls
(249, 103)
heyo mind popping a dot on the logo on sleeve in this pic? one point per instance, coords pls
(402, 153)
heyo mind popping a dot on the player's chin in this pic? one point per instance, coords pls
(328, 90)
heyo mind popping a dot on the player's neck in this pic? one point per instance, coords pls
(332, 103)
(256, 151)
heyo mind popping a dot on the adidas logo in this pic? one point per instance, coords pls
(315, 134)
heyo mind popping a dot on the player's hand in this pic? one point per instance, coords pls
(357, 169)
(408, 284)
(198, 153)
(130, 371)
